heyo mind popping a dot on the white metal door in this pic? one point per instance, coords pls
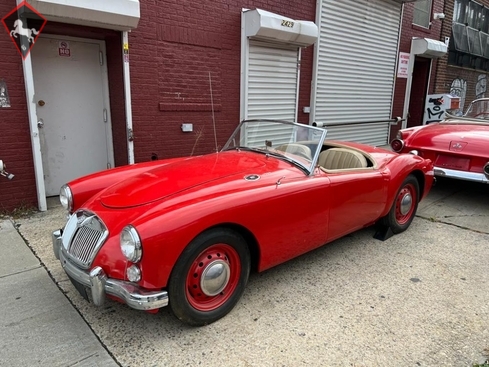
(354, 69)
(71, 95)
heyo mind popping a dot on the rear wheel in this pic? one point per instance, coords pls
(404, 207)
(209, 277)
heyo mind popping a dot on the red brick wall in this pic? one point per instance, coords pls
(173, 50)
(408, 31)
(15, 140)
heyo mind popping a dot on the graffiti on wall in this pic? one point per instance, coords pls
(4, 97)
(480, 87)
(459, 89)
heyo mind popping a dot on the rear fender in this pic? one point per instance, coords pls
(402, 167)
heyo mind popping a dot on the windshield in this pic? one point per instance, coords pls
(478, 109)
(297, 143)
(478, 112)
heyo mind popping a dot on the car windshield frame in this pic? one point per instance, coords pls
(298, 144)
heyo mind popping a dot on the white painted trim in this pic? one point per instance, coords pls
(111, 14)
(401, 20)
(245, 49)
(127, 98)
(34, 130)
(312, 104)
(299, 58)
(407, 96)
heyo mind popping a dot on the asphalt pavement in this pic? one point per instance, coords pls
(416, 299)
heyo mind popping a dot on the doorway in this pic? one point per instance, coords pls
(419, 89)
(71, 96)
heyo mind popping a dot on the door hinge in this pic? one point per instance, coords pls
(105, 115)
(109, 165)
(101, 57)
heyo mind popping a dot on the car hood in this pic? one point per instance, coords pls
(161, 182)
(463, 138)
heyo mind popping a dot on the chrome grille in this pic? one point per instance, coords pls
(84, 243)
(87, 238)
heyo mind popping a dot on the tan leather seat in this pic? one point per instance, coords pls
(341, 158)
(295, 148)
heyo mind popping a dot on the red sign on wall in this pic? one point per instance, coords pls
(64, 49)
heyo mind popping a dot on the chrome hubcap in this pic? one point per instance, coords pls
(406, 203)
(215, 277)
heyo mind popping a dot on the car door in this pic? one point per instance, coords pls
(357, 198)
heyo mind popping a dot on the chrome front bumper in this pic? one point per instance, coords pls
(461, 175)
(99, 285)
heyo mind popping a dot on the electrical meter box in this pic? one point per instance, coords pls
(437, 104)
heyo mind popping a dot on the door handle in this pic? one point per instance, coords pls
(40, 123)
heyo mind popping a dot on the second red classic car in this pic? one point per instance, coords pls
(458, 145)
(186, 232)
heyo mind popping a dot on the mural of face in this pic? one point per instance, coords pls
(459, 89)
(480, 87)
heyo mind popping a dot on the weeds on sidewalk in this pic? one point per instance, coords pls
(21, 211)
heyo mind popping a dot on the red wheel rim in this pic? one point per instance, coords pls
(405, 204)
(226, 258)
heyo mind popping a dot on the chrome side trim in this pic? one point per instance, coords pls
(461, 175)
(100, 285)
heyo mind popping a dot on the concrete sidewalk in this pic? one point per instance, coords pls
(38, 324)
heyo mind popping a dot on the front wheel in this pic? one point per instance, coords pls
(404, 207)
(209, 277)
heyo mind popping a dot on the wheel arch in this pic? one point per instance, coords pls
(249, 238)
(421, 182)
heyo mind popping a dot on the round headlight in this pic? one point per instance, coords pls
(133, 273)
(66, 197)
(131, 244)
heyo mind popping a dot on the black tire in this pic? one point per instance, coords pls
(404, 206)
(221, 253)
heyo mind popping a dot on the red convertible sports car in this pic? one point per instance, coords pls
(186, 232)
(458, 145)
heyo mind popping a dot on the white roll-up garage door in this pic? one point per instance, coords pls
(355, 68)
(272, 81)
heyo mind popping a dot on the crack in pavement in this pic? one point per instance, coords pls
(436, 220)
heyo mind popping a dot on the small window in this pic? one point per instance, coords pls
(484, 27)
(459, 36)
(474, 15)
(422, 13)
(460, 11)
(474, 39)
